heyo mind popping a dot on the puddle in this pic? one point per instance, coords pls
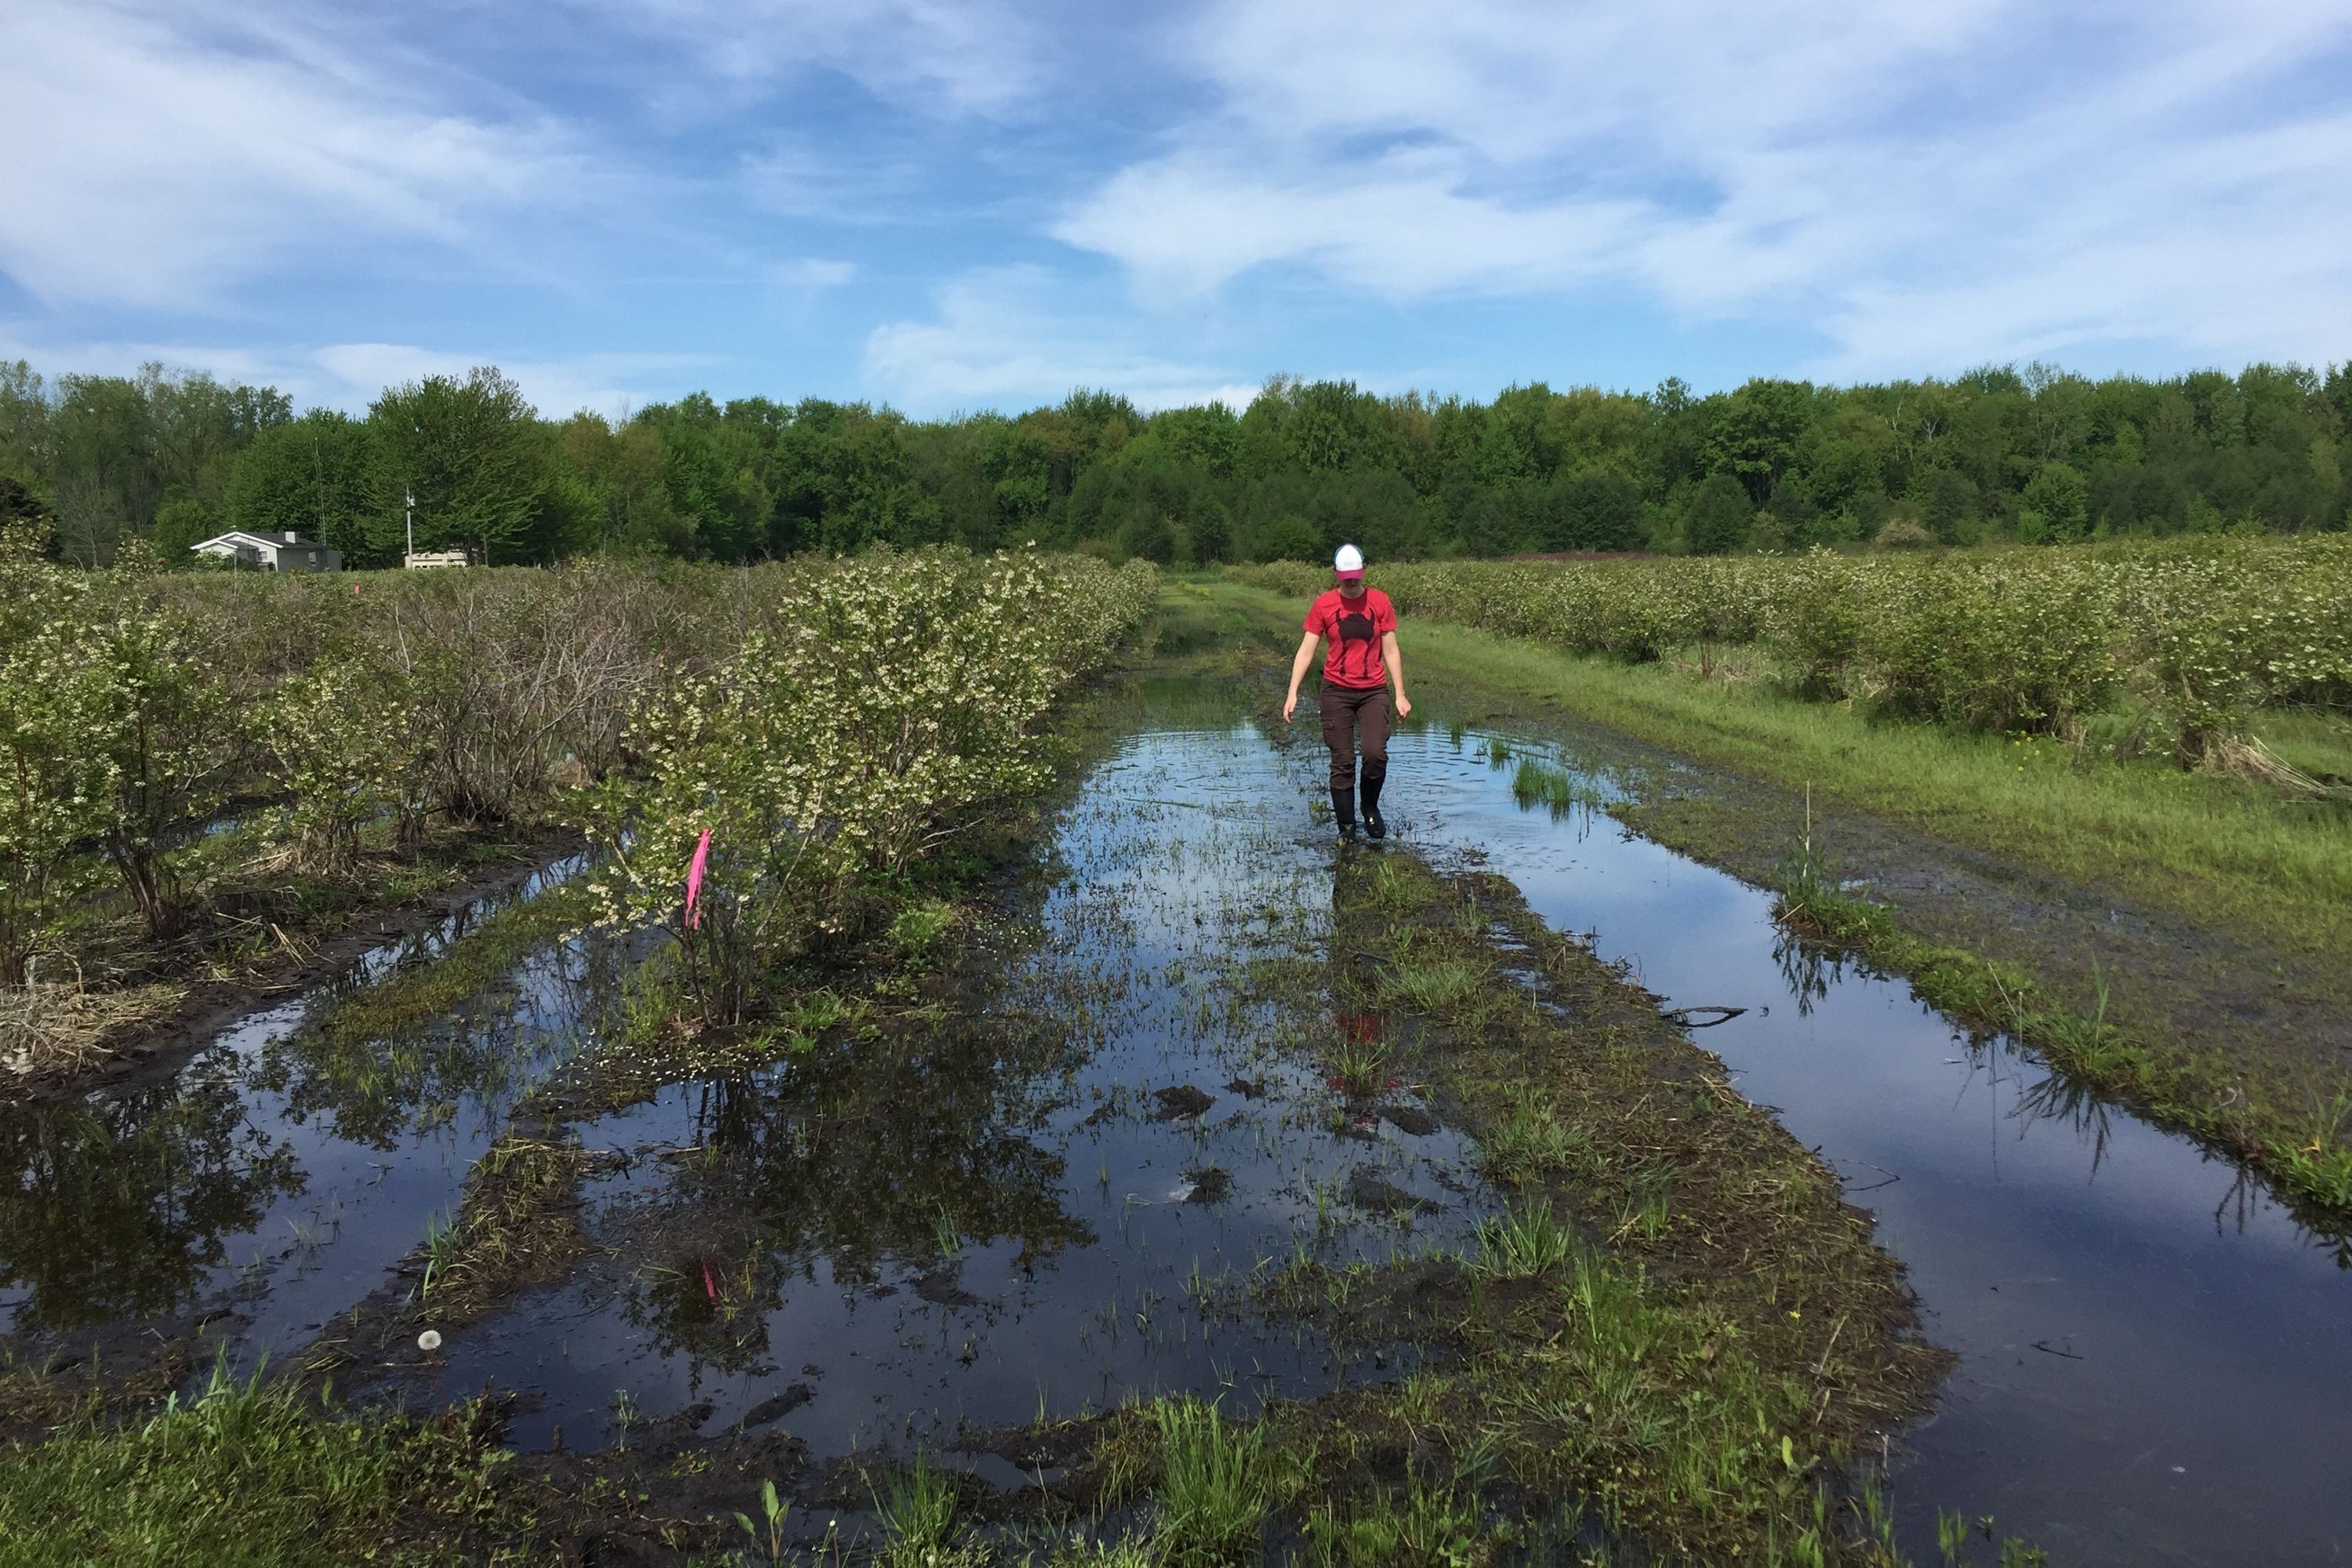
(270, 1179)
(1015, 1212)
(2154, 1360)
(1020, 1212)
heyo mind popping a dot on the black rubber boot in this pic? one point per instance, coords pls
(1343, 811)
(1372, 823)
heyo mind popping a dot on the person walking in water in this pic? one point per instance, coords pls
(1361, 627)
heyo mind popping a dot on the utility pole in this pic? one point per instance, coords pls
(411, 496)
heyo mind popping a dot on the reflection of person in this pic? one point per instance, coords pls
(1357, 669)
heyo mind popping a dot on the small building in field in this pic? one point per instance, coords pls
(272, 552)
(418, 560)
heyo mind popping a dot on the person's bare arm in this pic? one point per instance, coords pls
(1394, 657)
(1300, 662)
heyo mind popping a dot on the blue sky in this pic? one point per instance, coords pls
(950, 206)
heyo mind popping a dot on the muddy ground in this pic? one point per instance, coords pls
(476, 873)
(1187, 1148)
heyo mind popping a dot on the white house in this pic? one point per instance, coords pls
(273, 552)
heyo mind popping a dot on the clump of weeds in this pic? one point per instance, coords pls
(1359, 1069)
(1524, 1241)
(1534, 1139)
(1439, 1526)
(1218, 1481)
(917, 1509)
(916, 931)
(1434, 984)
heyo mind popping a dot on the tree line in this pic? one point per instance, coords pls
(2031, 456)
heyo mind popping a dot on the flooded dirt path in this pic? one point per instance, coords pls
(1041, 1205)
(269, 1181)
(2153, 1356)
(1041, 1199)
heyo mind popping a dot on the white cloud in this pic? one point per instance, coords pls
(350, 376)
(810, 274)
(956, 56)
(1404, 225)
(607, 384)
(1923, 184)
(149, 155)
(1002, 337)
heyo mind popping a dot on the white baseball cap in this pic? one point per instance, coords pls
(1348, 562)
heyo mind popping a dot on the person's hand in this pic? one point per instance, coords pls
(1289, 706)
(1405, 706)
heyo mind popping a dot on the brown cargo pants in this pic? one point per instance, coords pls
(1356, 719)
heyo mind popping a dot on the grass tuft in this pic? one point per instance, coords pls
(1432, 986)
(1524, 1241)
(1538, 783)
(1217, 1482)
(917, 1511)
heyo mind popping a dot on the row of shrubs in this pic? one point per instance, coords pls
(2198, 634)
(341, 714)
(837, 745)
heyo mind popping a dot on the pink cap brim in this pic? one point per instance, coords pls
(1350, 576)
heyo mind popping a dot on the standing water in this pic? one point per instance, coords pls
(2155, 1361)
(1047, 1197)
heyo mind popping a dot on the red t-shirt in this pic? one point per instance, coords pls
(1352, 630)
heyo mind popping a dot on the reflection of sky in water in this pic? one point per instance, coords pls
(2155, 1365)
(2209, 1417)
(340, 1174)
(1171, 854)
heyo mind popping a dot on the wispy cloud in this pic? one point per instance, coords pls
(952, 56)
(1007, 336)
(350, 376)
(1919, 185)
(154, 154)
(612, 385)
(811, 274)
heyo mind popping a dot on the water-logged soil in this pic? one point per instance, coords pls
(2153, 1353)
(1025, 1208)
(269, 1181)
(1030, 1205)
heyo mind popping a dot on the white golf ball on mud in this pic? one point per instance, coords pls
(430, 1339)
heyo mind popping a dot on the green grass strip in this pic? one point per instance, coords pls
(245, 1476)
(2305, 1158)
(470, 964)
(2222, 853)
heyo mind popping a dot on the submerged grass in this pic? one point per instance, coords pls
(471, 963)
(1539, 783)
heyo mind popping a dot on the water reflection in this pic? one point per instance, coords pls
(121, 1207)
(1026, 1204)
(876, 1157)
(285, 1166)
(2153, 1349)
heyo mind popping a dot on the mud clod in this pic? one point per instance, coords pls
(1181, 1101)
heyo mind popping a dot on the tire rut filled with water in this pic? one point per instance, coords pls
(1222, 1187)
(1214, 1145)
